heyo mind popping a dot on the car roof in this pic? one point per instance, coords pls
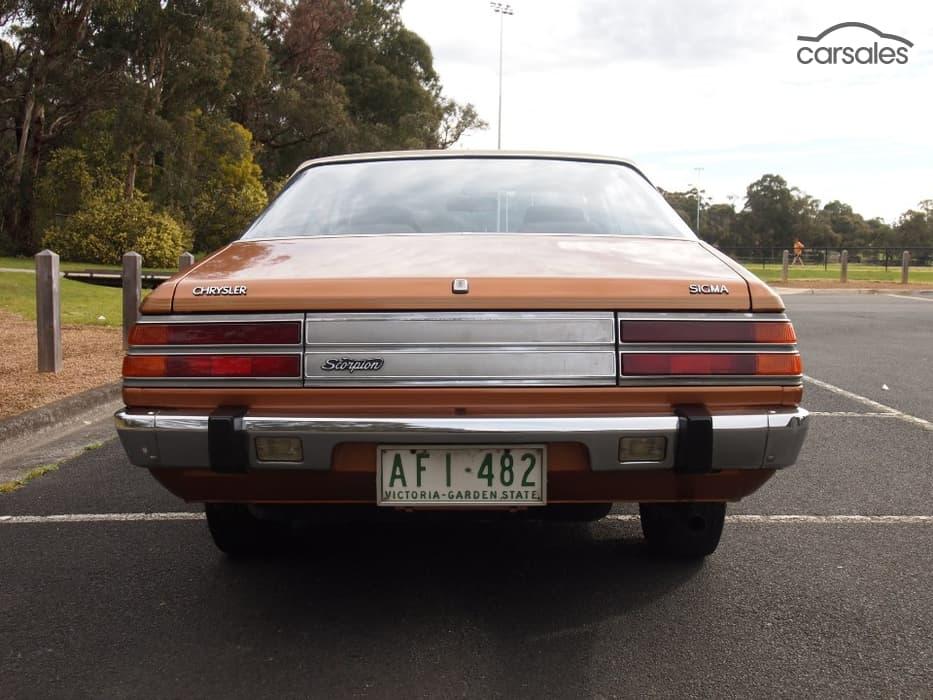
(463, 153)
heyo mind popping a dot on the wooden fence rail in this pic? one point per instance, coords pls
(48, 303)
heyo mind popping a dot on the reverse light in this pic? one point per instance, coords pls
(264, 333)
(219, 366)
(775, 332)
(278, 449)
(643, 449)
(701, 363)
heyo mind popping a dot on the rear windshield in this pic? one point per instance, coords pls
(469, 195)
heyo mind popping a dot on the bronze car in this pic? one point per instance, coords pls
(514, 332)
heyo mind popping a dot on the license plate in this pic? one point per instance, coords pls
(456, 475)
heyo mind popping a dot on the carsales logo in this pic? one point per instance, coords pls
(884, 49)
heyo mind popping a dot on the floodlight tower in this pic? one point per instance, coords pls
(502, 10)
(698, 171)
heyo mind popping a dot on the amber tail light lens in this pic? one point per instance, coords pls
(708, 332)
(711, 363)
(267, 333)
(231, 366)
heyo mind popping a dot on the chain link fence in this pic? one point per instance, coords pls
(888, 258)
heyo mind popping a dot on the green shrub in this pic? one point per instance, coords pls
(107, 226)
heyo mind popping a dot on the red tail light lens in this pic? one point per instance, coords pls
(267, 333)
(711, 363)
(231, 366)
(707, 332)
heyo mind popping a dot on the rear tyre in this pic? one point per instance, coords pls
(235, 530)
(682, 530)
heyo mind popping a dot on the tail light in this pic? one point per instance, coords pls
(709, 347)
(709, 363)
(218, 366)
(267, 349)
(708, 332)
(266, 333)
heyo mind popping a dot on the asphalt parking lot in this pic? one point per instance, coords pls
(822, 603)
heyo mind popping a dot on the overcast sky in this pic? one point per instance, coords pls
(681, 84)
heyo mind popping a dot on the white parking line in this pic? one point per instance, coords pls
(906, 417)
(748, 519)
(97, 518)
(908, 296)
(853, 414)
(813, 519)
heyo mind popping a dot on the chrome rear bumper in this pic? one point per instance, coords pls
(167, 438)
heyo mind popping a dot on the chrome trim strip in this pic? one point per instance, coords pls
(464, 348)
(213, 382)
(219, 318)
(164, 438)
(460, 329)
(700, 316)
(215, 350)
(485, 234)
(786, 433)
(711, 380)
(466, 366)
(704, 348)
(131, 420)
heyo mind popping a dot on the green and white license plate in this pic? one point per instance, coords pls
(461, 475)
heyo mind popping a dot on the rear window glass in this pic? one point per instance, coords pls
(469, 195)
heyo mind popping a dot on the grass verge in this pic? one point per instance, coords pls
(30, 264)
(82, 304)
(41, 470)
(34, 473)
(771, 272)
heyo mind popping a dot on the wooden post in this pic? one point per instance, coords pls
(132, 292)
(905, 267)
(48, 312)
(185, 260)
(785, 259)
(844, 266)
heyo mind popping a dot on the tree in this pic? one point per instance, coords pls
(231, 193)
(719, 226)
(90, 220)
(770, 211)
(296, 108)
(40, 63)
(457, 120)
(914, 228)
(394, 94)
(684, 203)
(175, 56)
(200, 107)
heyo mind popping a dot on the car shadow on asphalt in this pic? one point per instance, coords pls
(518, 593)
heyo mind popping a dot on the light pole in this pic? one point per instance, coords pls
(502, 10)
(698, 171)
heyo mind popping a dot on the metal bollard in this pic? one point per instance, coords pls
(185, 260)
(785, 260)
(132, 292)
(48, 312)
(905, 267)
(844, 266)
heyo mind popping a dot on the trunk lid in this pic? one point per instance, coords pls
(407, 272)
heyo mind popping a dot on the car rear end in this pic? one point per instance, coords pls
(523, 371)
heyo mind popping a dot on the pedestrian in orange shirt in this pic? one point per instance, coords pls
(798, 252)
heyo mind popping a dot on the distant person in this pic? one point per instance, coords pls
(798, 252)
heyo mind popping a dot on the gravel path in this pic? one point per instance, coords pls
(92, 356)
